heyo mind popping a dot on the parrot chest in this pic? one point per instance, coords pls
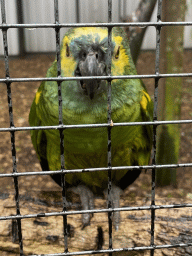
(123, 148)
(87, 147)
(90, 144)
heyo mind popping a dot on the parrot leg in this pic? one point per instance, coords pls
(115, 198)
(87, 202)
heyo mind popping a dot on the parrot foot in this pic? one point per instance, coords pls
(87, 202)
(115, 198)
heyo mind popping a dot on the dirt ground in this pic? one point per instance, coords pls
(40, 194)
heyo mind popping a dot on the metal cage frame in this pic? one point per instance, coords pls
(61, 127)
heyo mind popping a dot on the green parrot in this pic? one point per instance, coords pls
(84, 53)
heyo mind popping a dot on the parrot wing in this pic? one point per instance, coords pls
(38, 136)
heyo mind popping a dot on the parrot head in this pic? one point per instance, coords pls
(91, 64)
(84, 53)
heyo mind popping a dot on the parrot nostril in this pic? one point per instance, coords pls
(77, 72)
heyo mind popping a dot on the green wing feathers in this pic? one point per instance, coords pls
(84, 53)
(34, 120)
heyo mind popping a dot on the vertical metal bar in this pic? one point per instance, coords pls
(158, 33)
(109, 122)
(77, 12)
(12, 133)
(57, 34)
(21, 36)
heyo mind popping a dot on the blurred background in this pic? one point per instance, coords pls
(41, 11)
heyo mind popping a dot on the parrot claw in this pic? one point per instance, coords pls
(87, 202)
(115, 198)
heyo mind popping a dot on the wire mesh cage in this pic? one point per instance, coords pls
(18, 218)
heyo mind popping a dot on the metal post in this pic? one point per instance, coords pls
(109, 122)
(77, 11)
(11, 121)
(158, 31)
(61, 131)
(20, 19)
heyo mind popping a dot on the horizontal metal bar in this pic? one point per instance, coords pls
(76, 126)
(137, 167)
(135, 208)
(5, 27)
(118, 250)
(114, 24)
(39, 79)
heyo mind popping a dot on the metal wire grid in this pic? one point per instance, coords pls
(61, 127)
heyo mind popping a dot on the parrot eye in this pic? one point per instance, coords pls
(67, 50)
(77, 72)
(84, 55)
(117, 53)
(83, 86)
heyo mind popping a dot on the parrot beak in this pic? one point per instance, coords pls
(90, 66)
